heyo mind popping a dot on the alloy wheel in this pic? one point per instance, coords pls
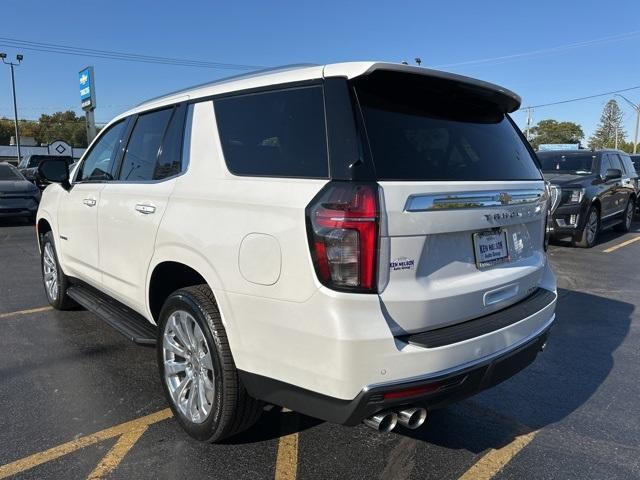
(629, 215)
(50, 272)
(188, 366)
(592, 227)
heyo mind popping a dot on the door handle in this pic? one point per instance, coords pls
(89, 202)
(145, 208)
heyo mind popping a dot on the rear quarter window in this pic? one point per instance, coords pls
(278, 133)
(423, 131)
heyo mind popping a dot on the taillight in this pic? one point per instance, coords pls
(342, 224)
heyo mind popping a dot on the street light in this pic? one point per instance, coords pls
(637, 109)
(19, 58)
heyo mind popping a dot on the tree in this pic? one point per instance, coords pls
(48, 128)
(552, 131)
(609, 128)
(62, 126)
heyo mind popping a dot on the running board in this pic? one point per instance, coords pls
(118, 316)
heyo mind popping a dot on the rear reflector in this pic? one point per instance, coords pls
(412, 392)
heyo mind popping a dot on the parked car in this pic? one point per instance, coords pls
(636, 162)
(356, 242)
(18, 196)
(29, 167)
(598, 191)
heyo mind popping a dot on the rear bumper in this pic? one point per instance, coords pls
(432, 391)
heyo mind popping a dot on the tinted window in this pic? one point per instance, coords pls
(7, 172)
(98, 163)
(629, 166)
(278, 133)
(605, 164)
(170, 159)
(574, 163)
(141, 156)
(423, 131)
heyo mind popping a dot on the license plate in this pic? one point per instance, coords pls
(490, 248)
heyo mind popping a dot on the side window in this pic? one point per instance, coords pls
(628, 166)
(605, 164)
(98, 163)
(141, 156)
(279, 133)
(616, 161)
(170, 159)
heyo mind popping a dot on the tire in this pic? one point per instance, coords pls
(627, 217)
(53, 278)
(191, 325)
(589, 233)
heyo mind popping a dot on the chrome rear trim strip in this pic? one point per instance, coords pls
(466, 200)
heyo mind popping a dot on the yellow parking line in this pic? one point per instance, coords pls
(287, 459)
(496, 459)
(25, 312)
(287, 456)
(123, 429)
(114, 456)
(620, 245)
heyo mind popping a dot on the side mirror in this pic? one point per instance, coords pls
(55, 171)
(612, 174)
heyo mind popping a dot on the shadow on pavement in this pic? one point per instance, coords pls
(577, 360)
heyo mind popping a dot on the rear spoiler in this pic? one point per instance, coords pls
(506, 100)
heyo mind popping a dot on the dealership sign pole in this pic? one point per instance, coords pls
(88, 100)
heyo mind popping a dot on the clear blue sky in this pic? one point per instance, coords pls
(276, 32)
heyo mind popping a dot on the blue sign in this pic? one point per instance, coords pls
(87, 89)
(558, 146)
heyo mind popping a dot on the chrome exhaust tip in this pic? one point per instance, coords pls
(412, 417)
(383, 421)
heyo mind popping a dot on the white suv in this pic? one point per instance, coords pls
(356, 242)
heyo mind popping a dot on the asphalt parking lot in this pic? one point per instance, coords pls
(77, 400)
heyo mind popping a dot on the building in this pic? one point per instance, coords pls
(28, 146)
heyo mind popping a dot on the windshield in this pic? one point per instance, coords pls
(7, 172)
(577, 164)
(426, 129)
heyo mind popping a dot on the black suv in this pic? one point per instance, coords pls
(598, 190)
(28, 166)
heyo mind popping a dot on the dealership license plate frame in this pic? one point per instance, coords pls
(487, 263)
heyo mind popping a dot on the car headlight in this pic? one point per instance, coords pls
(575, 195)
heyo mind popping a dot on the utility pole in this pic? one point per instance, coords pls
(19, 58)
(636, 107)
(528, 123)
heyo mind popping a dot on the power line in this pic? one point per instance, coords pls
(124, 56)
(582, 98)
(543, 51)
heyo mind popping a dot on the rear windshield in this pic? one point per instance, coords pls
(7, 172)
(576, 164)
(424, 129)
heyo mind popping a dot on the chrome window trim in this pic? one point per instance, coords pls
(468, 200)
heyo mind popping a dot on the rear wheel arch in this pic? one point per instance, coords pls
(166, 278)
